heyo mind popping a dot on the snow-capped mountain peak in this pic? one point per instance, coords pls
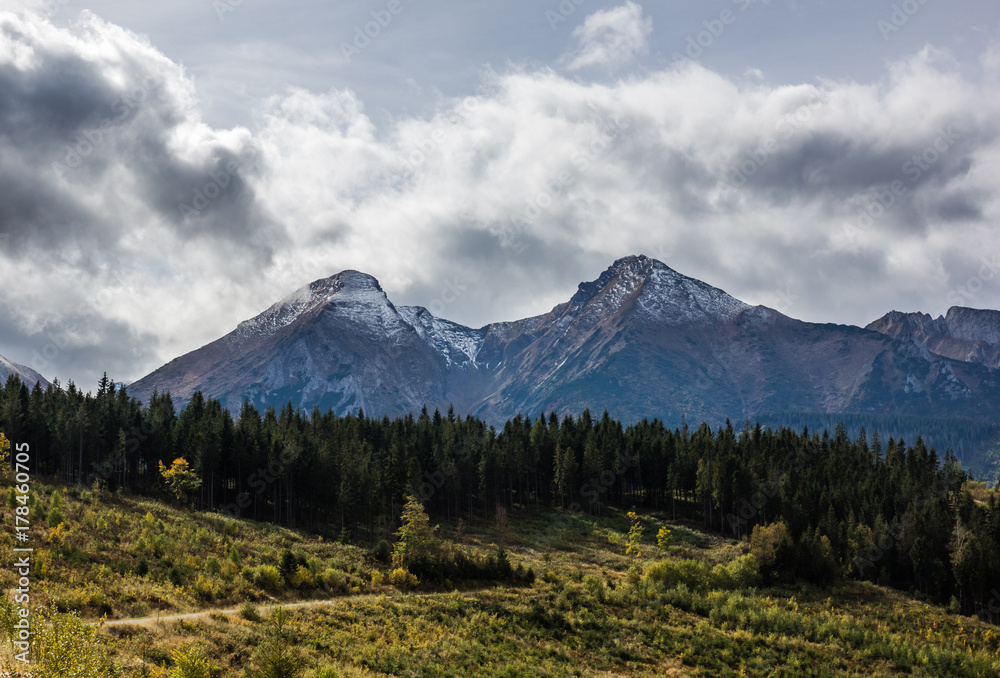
(458, 344)
(660, 292)
(27, 375)
(350, 288)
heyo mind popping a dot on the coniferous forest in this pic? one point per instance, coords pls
(821, 506)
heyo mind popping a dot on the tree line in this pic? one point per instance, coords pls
(824, 505)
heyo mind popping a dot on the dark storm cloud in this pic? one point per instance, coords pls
(94, 123)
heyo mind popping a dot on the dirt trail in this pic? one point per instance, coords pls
(203, 614)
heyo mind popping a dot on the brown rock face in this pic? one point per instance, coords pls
(967, 334)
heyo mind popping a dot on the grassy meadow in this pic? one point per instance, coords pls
(601, 601)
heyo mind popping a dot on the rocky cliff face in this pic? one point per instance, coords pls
(965, 334)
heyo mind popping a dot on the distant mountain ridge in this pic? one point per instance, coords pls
(27, 375)
(966, 334)
(642, 340)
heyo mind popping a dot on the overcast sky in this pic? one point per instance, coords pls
(168, 170)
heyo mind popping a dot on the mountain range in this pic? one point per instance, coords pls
(25, 374)
(640, 341)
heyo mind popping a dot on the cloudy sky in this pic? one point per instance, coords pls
(168, 170)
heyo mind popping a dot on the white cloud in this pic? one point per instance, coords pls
(518, 193)
(611, 37)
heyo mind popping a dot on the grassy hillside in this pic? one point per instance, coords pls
(697, 607)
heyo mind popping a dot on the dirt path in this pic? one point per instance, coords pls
(203, 614)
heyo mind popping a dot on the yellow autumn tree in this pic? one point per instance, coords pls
(415, 538)
(4, 457)
(632, 544)
(182, 480)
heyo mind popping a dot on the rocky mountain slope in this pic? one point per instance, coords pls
(640, 341)
(966, 334)
(25, 374)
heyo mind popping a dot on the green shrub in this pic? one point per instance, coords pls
(175, 575)
(64, 645)
(668, 574)
(720, 578)
(212, 565)
(333, 579)
(190, 662)
(745, 572)
(382, 551)
(595, 586)
(302, 578)
(268, 578)
(402, 579)
(250, 612)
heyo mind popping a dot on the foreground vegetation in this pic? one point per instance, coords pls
(573, 547)
(886, 512)
(614, 595)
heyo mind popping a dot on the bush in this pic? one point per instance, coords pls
(333, 579)
(64, 645)
(745, 572)
(595, 586)
(402, 579)
(668, 574)
(382, 551)
(190, 662)
(212, 565)
(268, 578)
(250, 612)
(55, 517)
(175, 575)
(302, 578)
